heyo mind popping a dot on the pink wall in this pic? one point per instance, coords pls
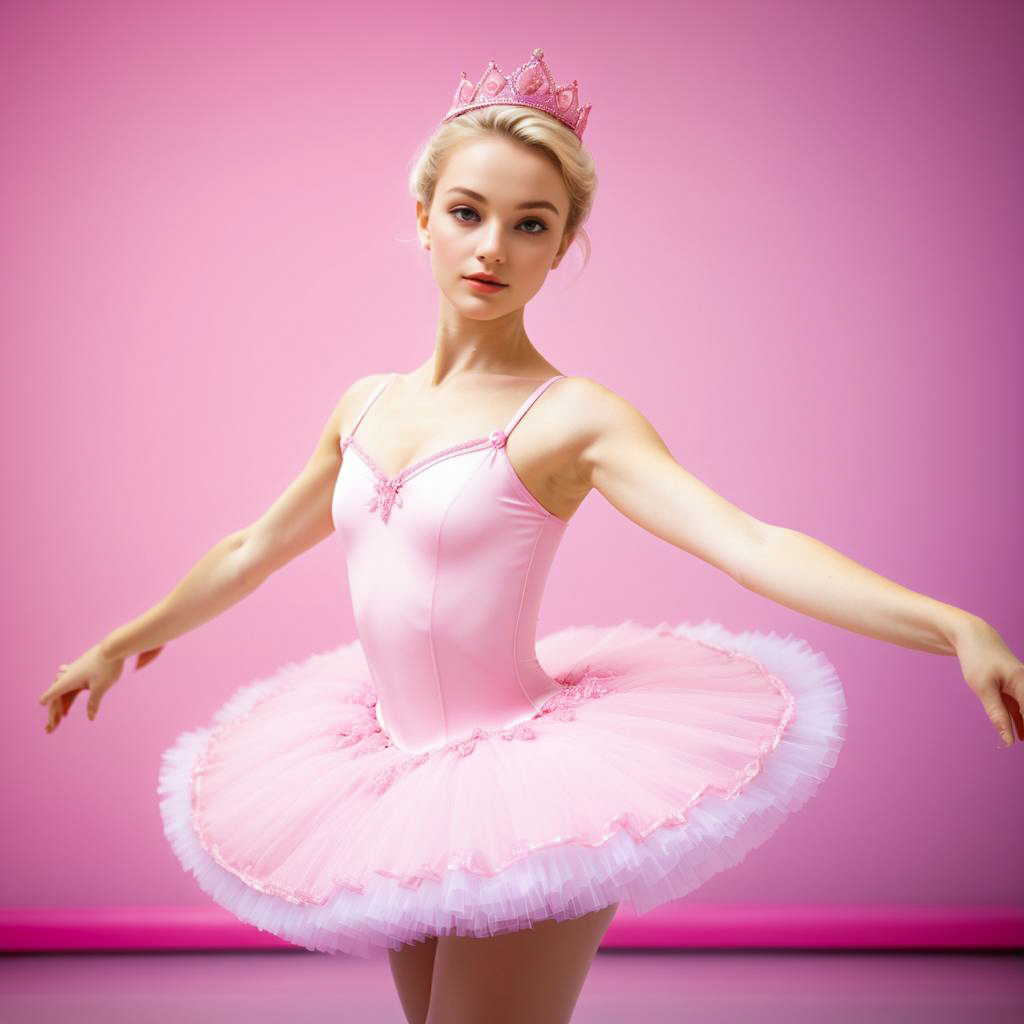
(807, 273)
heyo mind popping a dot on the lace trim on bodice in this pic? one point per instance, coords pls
(386, 495)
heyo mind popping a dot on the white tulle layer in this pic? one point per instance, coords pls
(563, 880)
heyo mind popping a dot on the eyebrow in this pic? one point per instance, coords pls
(535, 205)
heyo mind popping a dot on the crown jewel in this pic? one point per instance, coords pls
(530, 85)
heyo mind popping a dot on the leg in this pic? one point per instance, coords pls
(411, 967)
(532, 976)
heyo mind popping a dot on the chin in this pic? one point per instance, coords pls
(476, 313)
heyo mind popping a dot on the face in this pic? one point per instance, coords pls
(498, 230)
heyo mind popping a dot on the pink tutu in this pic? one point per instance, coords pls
(666, 756)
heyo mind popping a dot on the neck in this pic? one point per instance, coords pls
(498, 347)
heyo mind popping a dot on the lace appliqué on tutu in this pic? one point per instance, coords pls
(579, 685)
(365, 735)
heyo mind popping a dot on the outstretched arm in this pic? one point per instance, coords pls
(624, 458)
(229, 571)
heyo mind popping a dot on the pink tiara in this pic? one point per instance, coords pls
(530, 85)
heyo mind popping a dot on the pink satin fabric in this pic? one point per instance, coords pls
(446, 586)
(450, 773)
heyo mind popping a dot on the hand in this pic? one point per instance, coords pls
(996, 675)
(92, 671)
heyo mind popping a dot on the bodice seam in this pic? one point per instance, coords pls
(519, 617)
(433, 594)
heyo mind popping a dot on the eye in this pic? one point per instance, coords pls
(529, 220)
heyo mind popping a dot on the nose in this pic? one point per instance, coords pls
(490, 248)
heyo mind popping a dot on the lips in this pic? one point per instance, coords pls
(487, 280)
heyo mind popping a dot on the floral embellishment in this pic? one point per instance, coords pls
(522, 731)
(386, 487)
(578, 685)
(350, 733)
(384, 780)
(364, 733)
(385, 496)
(467, 744)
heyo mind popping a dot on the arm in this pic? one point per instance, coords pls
(622, 456)
(229, 571)
(235, 566)
(301, 516)
(626, 460)
(211, 586)
(804, 574)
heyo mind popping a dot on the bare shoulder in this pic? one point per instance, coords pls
(593, 394)
(590, 410)
(352, 400)
(599, 425)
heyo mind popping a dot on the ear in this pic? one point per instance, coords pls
(421, 224)
(563, 249)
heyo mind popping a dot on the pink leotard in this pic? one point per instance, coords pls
(447, 563)
(449, 772)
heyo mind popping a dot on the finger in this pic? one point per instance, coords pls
(51, 718)
(51, 691)
(146, 657)
(1015, 688)
(1013, 712)
(991, 699)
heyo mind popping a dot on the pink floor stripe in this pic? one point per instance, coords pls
(682, 926)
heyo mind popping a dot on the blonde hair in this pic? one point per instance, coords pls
(525, 125)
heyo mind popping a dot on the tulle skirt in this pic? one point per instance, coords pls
(669, 754)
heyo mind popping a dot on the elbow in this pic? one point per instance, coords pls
(756, 539)
(762, 532)
(244, 556)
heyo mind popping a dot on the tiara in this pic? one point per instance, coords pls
(530, 85)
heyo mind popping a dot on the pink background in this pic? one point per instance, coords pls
(807, 273)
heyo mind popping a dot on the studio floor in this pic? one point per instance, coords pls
(624, 987)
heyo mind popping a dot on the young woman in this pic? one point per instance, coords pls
(448, 787)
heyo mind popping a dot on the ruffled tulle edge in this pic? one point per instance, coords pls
(557, 882)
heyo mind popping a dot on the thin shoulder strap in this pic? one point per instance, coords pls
(521, 411)
(373, 397)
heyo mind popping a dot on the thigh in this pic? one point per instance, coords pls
(533, 975)
(411, 968)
